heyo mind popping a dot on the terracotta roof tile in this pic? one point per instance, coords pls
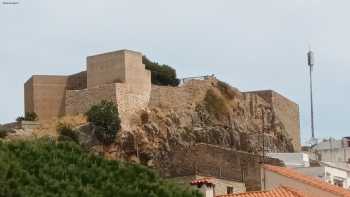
(312, 181)
(277, 192)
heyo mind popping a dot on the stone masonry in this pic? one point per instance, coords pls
(121, 77)
(117, 76)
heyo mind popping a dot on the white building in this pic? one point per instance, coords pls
(328, 174)
(333, 150)
(292, 160)
(274, 177)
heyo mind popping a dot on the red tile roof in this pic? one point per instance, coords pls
(277, 192)
(312, 181)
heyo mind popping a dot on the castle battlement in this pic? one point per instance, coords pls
(117, 76)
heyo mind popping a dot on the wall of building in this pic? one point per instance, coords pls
(327, 174)
(273, 180)
(292, 160)
(80, 101)
(220, 184)
(45, 95)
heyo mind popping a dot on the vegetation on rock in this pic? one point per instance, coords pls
(66, 132)
(105, 117)
(161, 74)
(3, 131)
(45, 167)
(216, 104)
(29, 116)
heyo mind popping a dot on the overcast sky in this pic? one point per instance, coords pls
(250, 44)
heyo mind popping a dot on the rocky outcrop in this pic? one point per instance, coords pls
(200, 111)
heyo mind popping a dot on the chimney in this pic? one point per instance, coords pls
(205, 185)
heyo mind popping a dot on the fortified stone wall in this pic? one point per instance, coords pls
(106, 68)
(287, 112)
(80, 101)
(77, 81)
(211, 160)
(45, 96)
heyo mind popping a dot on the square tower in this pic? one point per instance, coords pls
(113, 67)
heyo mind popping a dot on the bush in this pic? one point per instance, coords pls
(3, 131)
(161, 74)
(66, 132)
(105, 118)
(48, 168)
(29, 116)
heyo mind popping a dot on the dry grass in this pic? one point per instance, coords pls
(216, 104)
(49, 128)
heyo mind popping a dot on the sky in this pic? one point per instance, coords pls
(251, 44)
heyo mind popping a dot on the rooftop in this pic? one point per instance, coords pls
(314, 182)
(277, 192)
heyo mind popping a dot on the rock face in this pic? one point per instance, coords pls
(201, 111)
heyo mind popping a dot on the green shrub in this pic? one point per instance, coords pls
(161, 74)
(45, 167)
(29, 116)
(105, 118)
(66, 132)
(3, 131)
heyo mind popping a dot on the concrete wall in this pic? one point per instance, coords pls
(273, 180)
(292, 160)
(45, 95)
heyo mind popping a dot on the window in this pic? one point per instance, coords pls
(338, 182)
(229, 190)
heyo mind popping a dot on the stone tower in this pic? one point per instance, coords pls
(117, 76)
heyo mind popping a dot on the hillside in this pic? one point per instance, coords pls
(199, 111)
(47, 168)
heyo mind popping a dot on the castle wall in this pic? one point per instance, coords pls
(287, 111)
(77, 81)
(210, 160)
(28, 96)
(45, 95)
(105, 68)
(80, 101)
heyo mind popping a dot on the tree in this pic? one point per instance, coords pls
(161, 74)
(29, 116)
(105, 118)
(45, 167)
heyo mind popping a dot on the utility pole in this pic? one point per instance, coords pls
(310, 62)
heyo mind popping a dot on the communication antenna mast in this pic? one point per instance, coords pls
(311, 62)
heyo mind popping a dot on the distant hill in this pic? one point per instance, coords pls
(45, 167)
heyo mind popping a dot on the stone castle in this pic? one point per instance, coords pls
(121, 77)
(117, 76)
